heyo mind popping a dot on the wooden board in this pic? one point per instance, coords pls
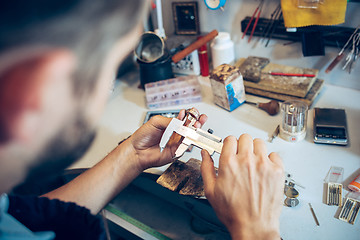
(294, 86)
(184, 178)
(309, 98)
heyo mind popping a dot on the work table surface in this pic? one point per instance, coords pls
(308, 163)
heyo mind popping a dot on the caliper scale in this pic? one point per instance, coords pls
(191, 136)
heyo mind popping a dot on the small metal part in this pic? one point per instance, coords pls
(354, 213)
(334, 194)
(210, 131)
(291, 202)
(348, 210)
(314, 215)
(275, 134)
(342, 214)
(192, 115)
(291, 192)
(289, 180)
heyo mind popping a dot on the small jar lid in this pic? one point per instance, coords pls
(222, 37)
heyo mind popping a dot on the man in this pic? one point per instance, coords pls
(57, 60)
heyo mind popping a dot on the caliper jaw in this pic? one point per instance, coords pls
(192, 136)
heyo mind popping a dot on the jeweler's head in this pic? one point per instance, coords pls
(57, 62)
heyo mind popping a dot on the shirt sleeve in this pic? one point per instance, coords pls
(67, 220)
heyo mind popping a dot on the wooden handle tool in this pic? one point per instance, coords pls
(272, 107)
(195, 45)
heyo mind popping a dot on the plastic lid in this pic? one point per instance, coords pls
(335, 175)
(222, 37)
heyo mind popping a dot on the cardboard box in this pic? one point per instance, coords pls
(227, 87)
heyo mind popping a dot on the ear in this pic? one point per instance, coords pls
(23, 88)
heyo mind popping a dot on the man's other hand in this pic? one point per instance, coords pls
(247, 193)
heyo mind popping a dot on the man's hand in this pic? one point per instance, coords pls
(248, 190)
(146, 139)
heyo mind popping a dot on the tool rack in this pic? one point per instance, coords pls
(333, 36)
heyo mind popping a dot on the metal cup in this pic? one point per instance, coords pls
(150, 48)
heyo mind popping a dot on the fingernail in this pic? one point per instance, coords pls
(203, 153)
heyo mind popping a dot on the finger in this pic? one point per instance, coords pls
(229, 150)
(159, 122)
(276, 159)
(259, 147)
(208, 173)
(202, 119)
(181, 114)
(245, 144)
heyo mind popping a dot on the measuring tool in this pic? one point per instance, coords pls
(192, 136)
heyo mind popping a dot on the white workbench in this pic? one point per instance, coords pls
(308, 163)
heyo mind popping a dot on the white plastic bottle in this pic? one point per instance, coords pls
(222, 50)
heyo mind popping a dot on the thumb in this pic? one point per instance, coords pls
(208, 173)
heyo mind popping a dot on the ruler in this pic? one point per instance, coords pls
(132, 225)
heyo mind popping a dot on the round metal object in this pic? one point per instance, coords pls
(291, 192)
(193, 112)
(150, 48)
(291, 202)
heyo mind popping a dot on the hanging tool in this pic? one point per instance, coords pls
(269, 25)
(276, 22)
(341, 54)
(272, 107)
(258, 11)
(353, 54)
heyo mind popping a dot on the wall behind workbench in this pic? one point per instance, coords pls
(236, 10)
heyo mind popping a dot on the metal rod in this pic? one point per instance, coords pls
(314, 215)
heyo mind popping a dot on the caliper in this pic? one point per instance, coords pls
(191, 136)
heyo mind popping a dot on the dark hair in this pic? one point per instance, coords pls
(88, 27)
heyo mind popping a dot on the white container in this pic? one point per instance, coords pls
(222, 50)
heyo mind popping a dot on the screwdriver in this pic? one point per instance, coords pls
(272, 107)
